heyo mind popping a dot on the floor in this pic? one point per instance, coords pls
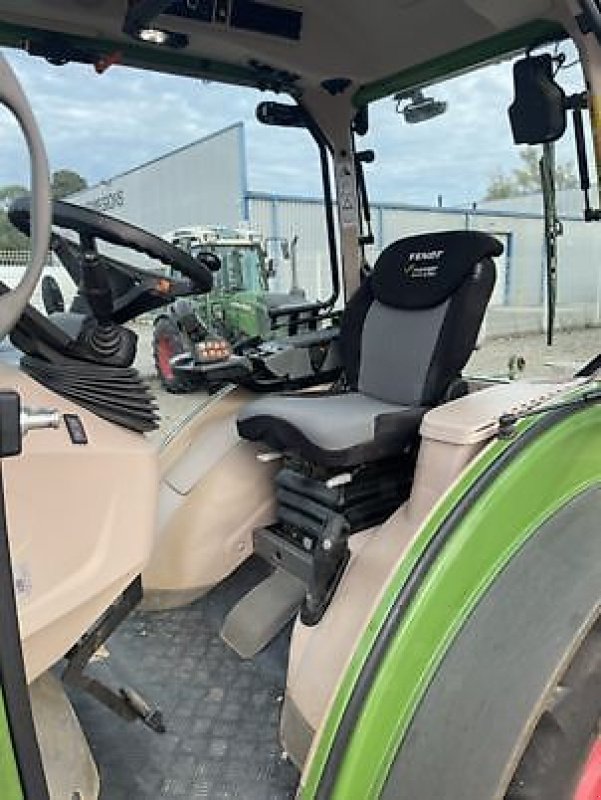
(221, 713)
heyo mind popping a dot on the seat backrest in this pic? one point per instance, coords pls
(410, 328)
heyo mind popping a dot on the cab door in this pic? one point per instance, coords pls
(21, 772)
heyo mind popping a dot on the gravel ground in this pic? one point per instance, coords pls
(569, 351)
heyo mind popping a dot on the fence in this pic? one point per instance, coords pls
(13, 262)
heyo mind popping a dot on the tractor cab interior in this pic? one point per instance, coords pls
(264, 532)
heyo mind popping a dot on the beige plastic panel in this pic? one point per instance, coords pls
(81, 522)
(320, 655)
(213, 494)
(475, 418)
(69, 766)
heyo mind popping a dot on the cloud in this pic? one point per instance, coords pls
(103, 125)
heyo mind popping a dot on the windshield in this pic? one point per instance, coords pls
(242, 267)
(447, 160)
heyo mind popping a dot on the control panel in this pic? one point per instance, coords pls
(246, 15)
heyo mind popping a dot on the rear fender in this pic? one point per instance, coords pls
(483, 525)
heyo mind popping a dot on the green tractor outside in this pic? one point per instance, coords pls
(239, 307)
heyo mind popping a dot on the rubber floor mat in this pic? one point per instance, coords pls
(221, 713)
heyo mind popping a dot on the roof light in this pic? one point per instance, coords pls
(160, 37)
(153, 35)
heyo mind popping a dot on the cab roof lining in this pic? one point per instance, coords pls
(378, 47)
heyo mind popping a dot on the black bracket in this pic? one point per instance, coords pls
(125, 702)
(507, 422)
(319, 560)
(330, 557)
(10, 424)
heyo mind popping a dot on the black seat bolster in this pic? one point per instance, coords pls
(459, 331)
(398, 425)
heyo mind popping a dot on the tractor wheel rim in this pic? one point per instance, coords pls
(589, 784)
(165, 353)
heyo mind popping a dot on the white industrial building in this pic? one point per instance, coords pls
(206, 183)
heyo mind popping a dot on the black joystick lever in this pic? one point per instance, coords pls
(96, 289)
(108, 342)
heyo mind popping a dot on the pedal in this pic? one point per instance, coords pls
(151, 716)
(125, 701)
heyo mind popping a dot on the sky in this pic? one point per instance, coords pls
(101, 125)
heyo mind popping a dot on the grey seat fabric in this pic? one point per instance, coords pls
(405, 336)
(332, 429)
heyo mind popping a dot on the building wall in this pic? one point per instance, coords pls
(518, 302)
(200, 184)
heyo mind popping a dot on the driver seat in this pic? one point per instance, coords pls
(405, 336)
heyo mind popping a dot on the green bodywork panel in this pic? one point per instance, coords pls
(10, 784)
(246, 314)
(438, 69)
(235, 314)
(554, 468)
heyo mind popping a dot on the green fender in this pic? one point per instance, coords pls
(523, 483)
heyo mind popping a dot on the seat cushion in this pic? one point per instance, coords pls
(334, 430)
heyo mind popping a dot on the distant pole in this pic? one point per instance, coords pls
(439, 201)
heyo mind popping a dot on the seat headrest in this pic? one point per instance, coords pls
(423, 271)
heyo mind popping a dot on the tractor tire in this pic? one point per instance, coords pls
(168, 341)
(563, 758)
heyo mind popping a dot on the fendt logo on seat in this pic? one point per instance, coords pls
(420, 264)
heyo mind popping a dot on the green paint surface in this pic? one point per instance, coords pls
(551, 470)
(10, 784)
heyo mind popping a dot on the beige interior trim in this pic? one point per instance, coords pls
(213, 494)
(69, 766)
(475, 418)
(452, 436)
(81, 522)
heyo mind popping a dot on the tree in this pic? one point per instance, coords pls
(66, 182)
(526, 178)
(10, 238)
(10, 192)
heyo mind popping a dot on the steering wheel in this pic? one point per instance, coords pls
(13, 303)
(92, 225)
